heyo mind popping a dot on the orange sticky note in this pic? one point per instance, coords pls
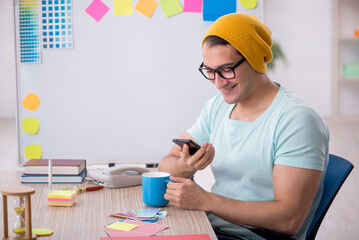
(31, 102)
(146, 7)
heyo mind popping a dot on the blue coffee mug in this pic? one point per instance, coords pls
(154, 185)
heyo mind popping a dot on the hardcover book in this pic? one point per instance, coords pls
(44, 178)
(59, 166)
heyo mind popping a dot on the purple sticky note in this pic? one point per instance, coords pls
(97, 9)
(192, 6)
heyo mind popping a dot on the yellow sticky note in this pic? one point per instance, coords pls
(171, 7)
(31, 102)
(146, 7)
(31, 125)
(122, 7)
(250, 4)
(122, 226)
(33, 151)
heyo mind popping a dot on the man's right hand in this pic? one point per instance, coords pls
(200, 160)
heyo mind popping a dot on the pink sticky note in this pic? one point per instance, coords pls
(97, 9)
(144, 229)
(192, 6)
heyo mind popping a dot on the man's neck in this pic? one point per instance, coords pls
(257, 103)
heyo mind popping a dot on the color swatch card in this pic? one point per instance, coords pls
(57, 29)
(29, 31)
(148, 213)
(142, 229)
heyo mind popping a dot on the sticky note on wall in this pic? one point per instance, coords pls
(213, 9)
(33, 151)
(31, 125)
(31, 102)
(97, 10)
(171, 7)
(192, 6)
(249, 4)
(146, 7)
(122, 7)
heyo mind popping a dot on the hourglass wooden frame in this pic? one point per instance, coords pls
(21, 192)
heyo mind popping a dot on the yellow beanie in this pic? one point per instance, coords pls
(248, 35)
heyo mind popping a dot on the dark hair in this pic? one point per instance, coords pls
(213, 40)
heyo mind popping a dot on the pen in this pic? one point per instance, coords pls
(50, 173)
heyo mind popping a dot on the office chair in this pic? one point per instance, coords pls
(337, 172)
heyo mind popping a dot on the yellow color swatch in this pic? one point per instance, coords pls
(122, 7)
(31, 125)
(33, 151)
(122, 226)
(171, 7)
(249, 4)
(31, 102)
(146, 7)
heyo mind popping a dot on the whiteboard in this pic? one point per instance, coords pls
(127, 88)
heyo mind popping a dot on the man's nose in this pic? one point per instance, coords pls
(219, 81)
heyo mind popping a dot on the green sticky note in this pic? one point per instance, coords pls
(171, 7)
(122, 226)
(33, 151)
(31, 125)
(122, 7)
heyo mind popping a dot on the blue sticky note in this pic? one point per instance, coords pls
(213, 9)
(148, 213)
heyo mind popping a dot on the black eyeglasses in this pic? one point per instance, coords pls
(224, 72)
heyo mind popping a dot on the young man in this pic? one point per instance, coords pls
(267, 148)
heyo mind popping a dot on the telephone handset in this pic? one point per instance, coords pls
(116, 177)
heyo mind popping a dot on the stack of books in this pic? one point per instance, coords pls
(63, 171)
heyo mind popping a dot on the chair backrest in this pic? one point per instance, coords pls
(337, 172)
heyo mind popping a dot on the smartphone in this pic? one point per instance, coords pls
(193, 147)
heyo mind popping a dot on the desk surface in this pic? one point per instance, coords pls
(86, 219)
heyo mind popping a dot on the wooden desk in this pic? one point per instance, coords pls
(86, 219)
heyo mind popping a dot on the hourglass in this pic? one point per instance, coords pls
(22, 207)
(19, 222)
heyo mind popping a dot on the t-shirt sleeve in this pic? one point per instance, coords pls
(301, 139)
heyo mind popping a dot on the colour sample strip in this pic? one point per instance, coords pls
(29, 30)
(57, 29)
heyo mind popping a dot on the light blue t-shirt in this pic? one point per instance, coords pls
(288, 133)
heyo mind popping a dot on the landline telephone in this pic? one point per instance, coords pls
(116, 177)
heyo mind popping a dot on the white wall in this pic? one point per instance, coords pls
(7, 60)
(303, 28)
